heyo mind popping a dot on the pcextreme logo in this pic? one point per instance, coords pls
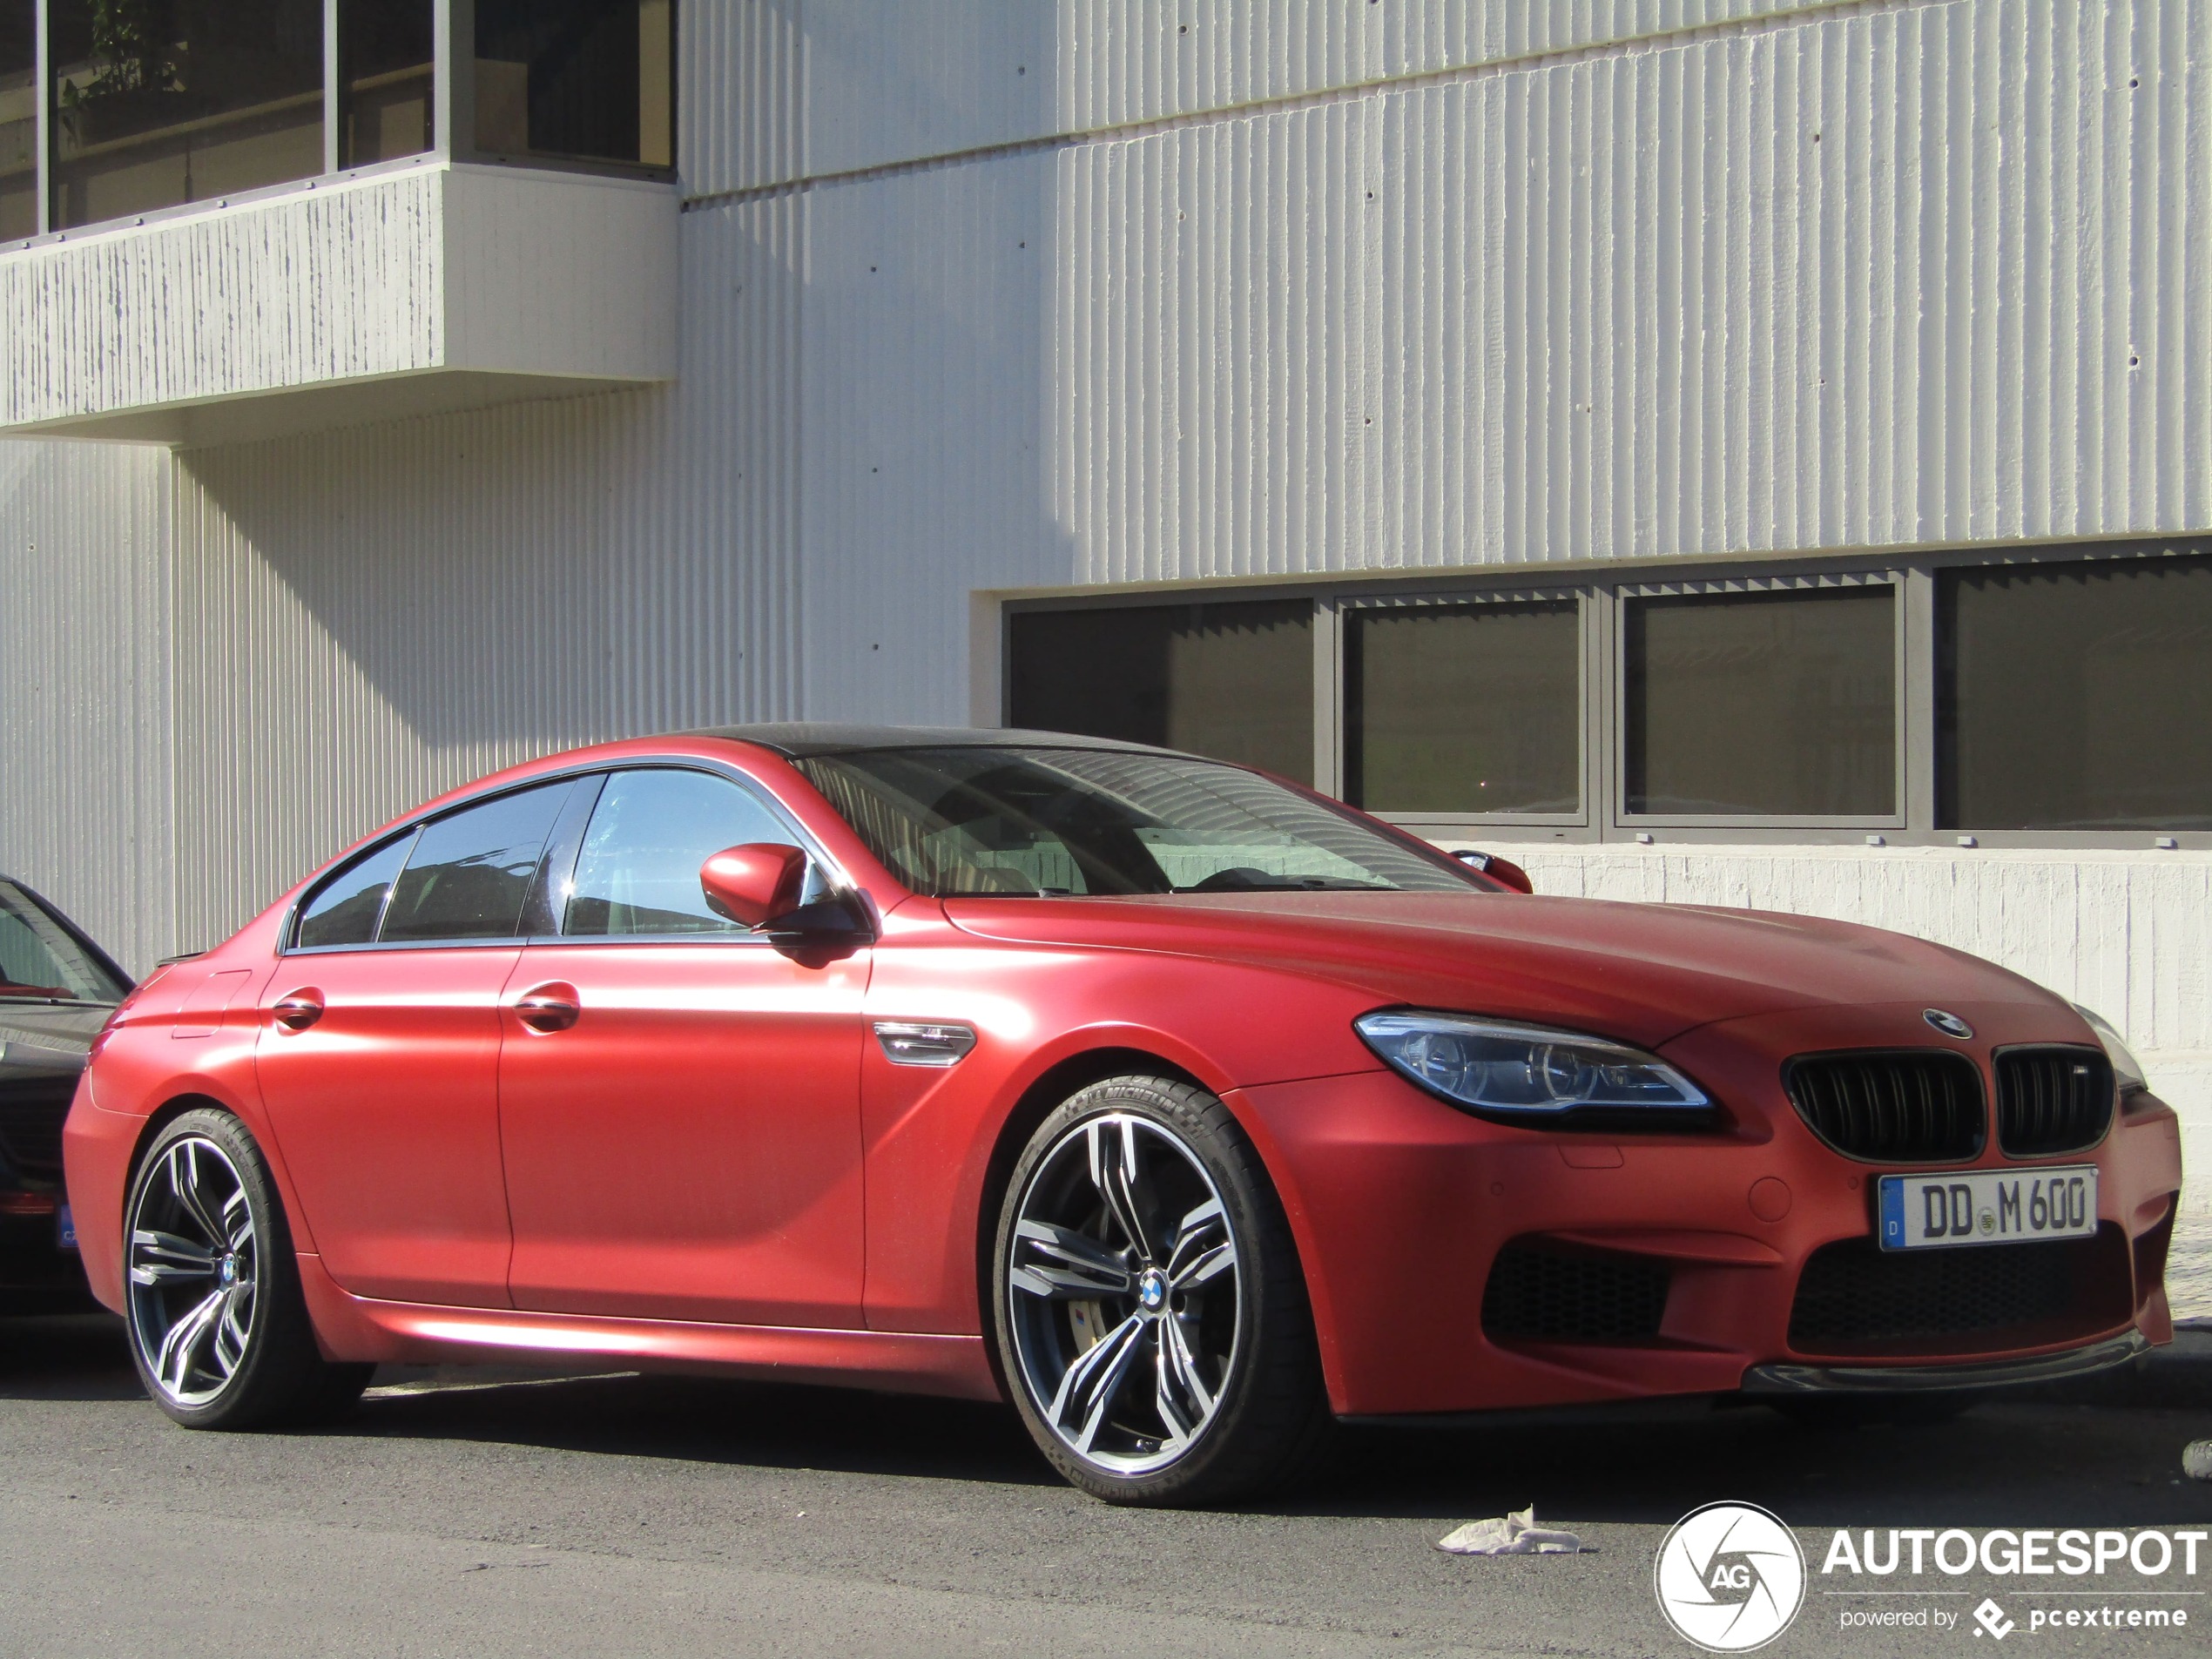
(1729, 1577)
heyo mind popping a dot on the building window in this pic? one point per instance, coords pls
(171, 101)
(19, 119)
(2076, 696)
(589, 79)
(1464, 709)
(1760, 704)
(1230, 680)
(387, 64)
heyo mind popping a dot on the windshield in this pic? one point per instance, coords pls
(1050, 821)
(39, 962)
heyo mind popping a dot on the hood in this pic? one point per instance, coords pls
(44, 1036)
(1643, 972)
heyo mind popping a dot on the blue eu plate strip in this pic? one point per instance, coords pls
(1892, 1211)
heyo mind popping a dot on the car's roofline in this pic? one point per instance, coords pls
(796, 739)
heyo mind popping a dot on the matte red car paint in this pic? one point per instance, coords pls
(1398, 1201)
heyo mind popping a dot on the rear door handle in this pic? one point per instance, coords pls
(549, 1008)
(298, 1011)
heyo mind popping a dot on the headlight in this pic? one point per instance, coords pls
(2127, 1071)
(1524, 1070)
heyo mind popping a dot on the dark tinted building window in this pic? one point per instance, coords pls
(19, 119)
(160, 102)
(387, 64)
(1464, 708)
(346, 908)
(2076, 696)
(590, 78)
(639, 870)
(1232, 681)
(1761, 704)
(470, 874)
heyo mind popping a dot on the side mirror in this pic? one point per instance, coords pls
(1504, 872)
(754, 883)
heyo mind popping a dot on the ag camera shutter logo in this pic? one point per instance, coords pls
(1729, 1577)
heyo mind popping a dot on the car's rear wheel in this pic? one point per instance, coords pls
(218, 1327)
(1150, 1313)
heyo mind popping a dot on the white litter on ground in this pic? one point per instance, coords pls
(2196, 1462)
(1513, 1534)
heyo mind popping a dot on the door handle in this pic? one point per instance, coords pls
(298, 1011)
(549, 1008)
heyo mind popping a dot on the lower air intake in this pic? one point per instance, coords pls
(1854, 1297)
(1539, 1294)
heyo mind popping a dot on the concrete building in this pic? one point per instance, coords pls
(1733, 451)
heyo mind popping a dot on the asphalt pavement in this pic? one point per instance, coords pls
(504, 1514)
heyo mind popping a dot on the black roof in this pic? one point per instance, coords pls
(796, 738)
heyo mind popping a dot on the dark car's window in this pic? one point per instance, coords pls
(346, 910)
(39, 962)
(1090, 820)
(470, 874)
(638, 872)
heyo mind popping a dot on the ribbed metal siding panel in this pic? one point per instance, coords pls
(1927, 273)
(774, 89)
(84, 811)
(364, 618)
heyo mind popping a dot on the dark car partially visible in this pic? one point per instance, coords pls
(57, 989)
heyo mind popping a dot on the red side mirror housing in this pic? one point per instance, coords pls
(1504, 872)
(754, 883)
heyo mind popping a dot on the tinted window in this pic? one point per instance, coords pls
(346, 908)
(1232, 681)
(2076, 696)
(39, 962)
(470, 874)
(639, 870)
(1762, 703)
(1464, 708)
(576, 78)
(1031, 821)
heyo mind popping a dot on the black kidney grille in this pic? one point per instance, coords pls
(1539, 1295)
(1903, 1106)
(1854, 1295)
(2052, 1100)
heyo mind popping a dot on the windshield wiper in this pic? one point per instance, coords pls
(1288, 884)
(56, 1001)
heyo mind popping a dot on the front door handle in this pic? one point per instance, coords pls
(549, 1008)
(298, 1011)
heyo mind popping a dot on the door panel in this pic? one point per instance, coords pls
(687, 1146)
(386, 1107)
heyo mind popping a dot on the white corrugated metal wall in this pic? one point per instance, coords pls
(990, 295)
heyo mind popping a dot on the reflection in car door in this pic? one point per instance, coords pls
(679, 1100)
(378, 1057)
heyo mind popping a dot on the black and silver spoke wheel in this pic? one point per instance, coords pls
(194, 1272)
(1151, 1317)
(1123, 1290)
(217, 1322)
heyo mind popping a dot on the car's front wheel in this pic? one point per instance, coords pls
(1151, 1318)
(218, 1327)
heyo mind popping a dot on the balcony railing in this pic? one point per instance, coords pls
(111, 111)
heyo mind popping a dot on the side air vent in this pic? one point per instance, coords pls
(1537, 1294)
(1900, 1106)
(2052, 1100)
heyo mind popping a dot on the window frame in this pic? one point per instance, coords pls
(1603, 585)
(453, 124)
(564, 865)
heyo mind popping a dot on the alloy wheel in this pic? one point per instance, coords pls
(1123, 1293)
(193, 1265)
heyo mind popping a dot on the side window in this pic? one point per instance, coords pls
(470, 874)
(346, 910)
(638, 872)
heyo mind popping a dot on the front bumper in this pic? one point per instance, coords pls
(1402, 1206)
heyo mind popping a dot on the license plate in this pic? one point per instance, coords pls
(64, 1229)
(1988, 1207)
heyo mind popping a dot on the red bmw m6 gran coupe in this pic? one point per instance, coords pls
(1182, 1106)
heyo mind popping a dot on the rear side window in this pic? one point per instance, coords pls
(638, 872)
(470, 874)
(348, 908)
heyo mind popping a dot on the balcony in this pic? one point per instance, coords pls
(222, 219)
